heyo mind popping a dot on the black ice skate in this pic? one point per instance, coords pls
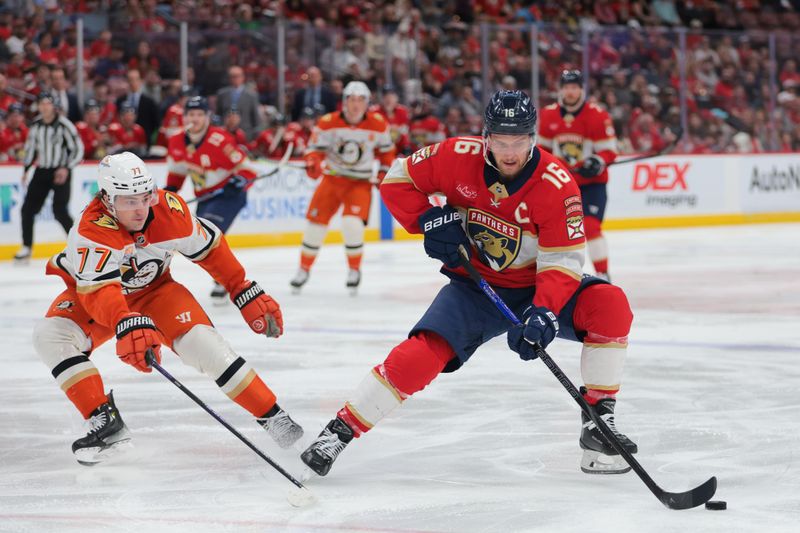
(280, 426)
(219, 296)
(299, 280)
(598, 455)
(353, 280)
(108, 436)
(320, 456)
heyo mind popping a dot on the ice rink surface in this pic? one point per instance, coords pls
(712, 387)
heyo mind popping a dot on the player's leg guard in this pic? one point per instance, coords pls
(353, 233)
(63, 346)
(203, 348)
(312, 241)
(603, 312)
(410, 366)
(596, 245)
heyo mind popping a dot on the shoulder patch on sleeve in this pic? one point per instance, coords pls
(105, 221)
(424, 153)
(174, 203)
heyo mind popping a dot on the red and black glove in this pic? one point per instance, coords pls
(135, 334)
(260, 311)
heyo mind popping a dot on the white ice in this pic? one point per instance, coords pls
(712, 387)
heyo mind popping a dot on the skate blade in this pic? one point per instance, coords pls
(219, 302)
(97, 454)
(594, 462)
(353, 291)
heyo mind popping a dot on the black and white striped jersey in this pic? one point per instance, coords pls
(53, 145)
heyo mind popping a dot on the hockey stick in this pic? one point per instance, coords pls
(299, 498)
(673, 500)
(664, 151)
(281, 164)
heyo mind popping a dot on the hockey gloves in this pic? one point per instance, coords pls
(235, 184)
(444, 235)
(592, 166)
(260, 311)
(540, 326)
(314, 165)
(135, 334)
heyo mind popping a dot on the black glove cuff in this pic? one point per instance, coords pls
(130, 323)
(249, 294)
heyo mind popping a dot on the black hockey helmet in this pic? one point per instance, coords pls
(571, 76)
(196, 102)
(510, 113)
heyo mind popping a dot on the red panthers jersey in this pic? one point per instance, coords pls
(12, 142)
(572, 137)
(524, 232)
(171, 125)
(399, 124)
(426, 130)
(92, 138)
(210, 163)
(126, 138)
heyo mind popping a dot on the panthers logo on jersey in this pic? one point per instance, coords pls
(498, 241)
(571, 152)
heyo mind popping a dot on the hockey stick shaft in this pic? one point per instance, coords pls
(686, 500)
(281, 164)
(151, 360)
(664, 151)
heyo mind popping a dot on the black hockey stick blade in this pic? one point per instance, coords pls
(672, 500)
(691, 498)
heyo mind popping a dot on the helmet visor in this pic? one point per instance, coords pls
(508, 144)
(134, 202)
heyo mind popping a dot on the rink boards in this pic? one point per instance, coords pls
(667, 191)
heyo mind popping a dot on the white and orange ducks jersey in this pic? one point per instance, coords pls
(104, 261)
(350, 150)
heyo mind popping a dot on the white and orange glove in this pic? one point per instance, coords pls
(136, 333)
(260, 311)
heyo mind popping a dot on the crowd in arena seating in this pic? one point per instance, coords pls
(425, 56)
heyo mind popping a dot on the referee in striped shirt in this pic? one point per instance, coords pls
(55, 147)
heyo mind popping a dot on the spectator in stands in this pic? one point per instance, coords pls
(5, 99)
(146, 109)
(313, 94)
(126, 135)
(19, 36)
(93, 134)
(398, 117)
(231, 124)
(13, 134)
(66, 101)
(238, 95)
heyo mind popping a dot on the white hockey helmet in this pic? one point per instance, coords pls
(356, 88)
(124, 174)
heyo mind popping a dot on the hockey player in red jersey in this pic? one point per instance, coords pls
(342, 151)
(397, 116)
(218, 167)
(116, 268)
(581, 134)
(517, 211)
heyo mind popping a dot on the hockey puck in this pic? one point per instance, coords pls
(716, 505)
